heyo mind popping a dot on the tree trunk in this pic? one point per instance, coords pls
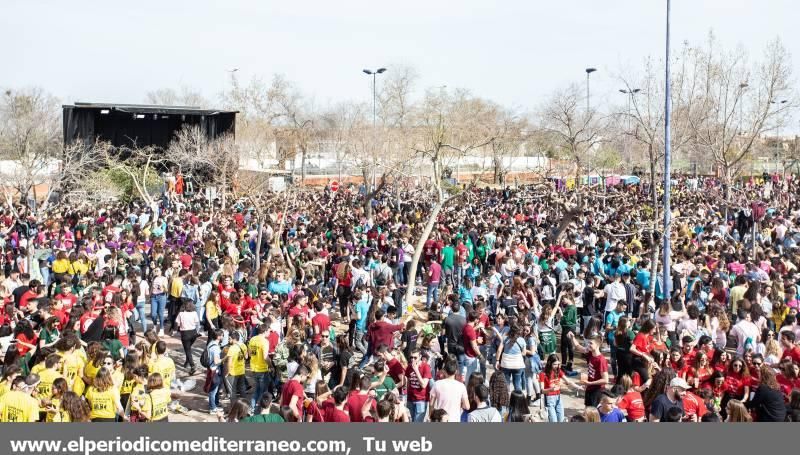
(412, 273)
(302, 166)
(258, 244)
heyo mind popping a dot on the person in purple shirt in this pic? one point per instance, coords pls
(434, 278)
(609, 412)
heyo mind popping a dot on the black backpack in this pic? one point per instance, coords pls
(205, 358)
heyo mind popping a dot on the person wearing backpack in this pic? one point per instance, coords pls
(212, 360)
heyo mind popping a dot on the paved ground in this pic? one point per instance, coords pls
(196, 402)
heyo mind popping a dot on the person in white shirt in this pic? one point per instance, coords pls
(449, 393)
(746, 333)
(614, 292)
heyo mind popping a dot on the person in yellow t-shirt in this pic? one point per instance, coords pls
(259, 354)
(62, 265)
(103, 398)
(53, 404)
(213, 311)
(156, 402)
(73, 408)
(9, 374)
(18, 405)
(162, 364)
(237, 354)
(136, 400)
(48, 375)
(74, 363)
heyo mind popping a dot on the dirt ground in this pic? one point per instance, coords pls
(196, 401)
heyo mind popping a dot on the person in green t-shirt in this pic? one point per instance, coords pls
(382, 383)
(569, 324)
(265, 403)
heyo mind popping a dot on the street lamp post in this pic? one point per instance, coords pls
(588, 72)
(667, 169)
(630, 93)
(374, 75)
(778, 136)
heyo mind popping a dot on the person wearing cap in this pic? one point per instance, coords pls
(672, 397)
(18, 405)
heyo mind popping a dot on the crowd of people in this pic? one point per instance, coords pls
(294, 308)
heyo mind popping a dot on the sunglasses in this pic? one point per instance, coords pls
(757, 364)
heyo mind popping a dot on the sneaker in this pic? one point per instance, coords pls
(213, 411)
(161, 332)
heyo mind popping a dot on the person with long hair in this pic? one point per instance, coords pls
(73, 408)
(103, 397)
(156, 400)
(188, 324)
(658, 386)
(510, 357)
(518, 410)
(737, 380)
(631, 403)
(768, 403)
(623, 341)
(641, 350)
(737, 412)
(552, 378)
(699, 372)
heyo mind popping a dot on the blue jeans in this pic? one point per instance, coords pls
(213, 403)
(142, 317)
(157, 305)
(263, 383)
(399, 276)
(418, 410)
(555, 409)
(515, 377)
(471, 365)
(432, 295)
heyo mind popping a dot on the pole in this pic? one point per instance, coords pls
(588, 106)
(667, 168)
(374, 122)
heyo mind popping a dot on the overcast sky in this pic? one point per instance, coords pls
(515, 52)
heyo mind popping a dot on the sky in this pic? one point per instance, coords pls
(515, 52)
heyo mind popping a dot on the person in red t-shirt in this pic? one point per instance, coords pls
(357, 399)
(597, 366)
(790, 350)
(320, 323)
(418, 374)
(737, 380)
(552, 378)
(693, 407)
(642, 348)
(471, 339)
(293, 394)
(333, 410)
(631, 403)
(381, 333)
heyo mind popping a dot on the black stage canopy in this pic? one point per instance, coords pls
(139, 124)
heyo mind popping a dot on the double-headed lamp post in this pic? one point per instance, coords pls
(630, 93)
(374, 75)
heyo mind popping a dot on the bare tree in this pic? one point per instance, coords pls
(574, 131)
(446, 126)
(295, 114)
(185, 96)
(30, 139)
(739, 102)
(140, 165)
(217, 159)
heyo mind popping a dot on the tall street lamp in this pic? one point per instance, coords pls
(588, 72)
(667, 169)
(630, 93)
(778, 135)
(374, 75)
